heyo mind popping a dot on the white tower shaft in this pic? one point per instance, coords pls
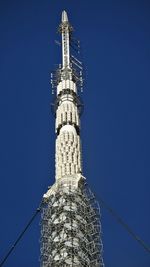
(68, 145)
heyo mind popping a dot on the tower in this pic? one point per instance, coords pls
(70, 223)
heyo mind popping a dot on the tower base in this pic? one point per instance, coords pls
(70, 228)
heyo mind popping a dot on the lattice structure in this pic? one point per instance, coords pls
(70, 225)
(71, 229)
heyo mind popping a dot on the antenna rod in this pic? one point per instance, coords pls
(65, 31)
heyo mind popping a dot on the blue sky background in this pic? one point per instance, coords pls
(115, 39)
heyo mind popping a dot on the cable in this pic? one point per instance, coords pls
(21, 235)
(125, 225)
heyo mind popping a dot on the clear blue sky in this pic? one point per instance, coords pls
(115, 39)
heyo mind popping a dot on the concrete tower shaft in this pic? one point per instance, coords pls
(68, 145)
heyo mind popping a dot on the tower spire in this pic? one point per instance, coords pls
(64, 16)
(70, 220)
(65, 29)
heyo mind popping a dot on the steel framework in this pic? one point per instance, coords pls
(71, 229)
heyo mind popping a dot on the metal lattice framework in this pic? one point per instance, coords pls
(70, 229)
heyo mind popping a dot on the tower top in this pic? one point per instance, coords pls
(64, 16)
